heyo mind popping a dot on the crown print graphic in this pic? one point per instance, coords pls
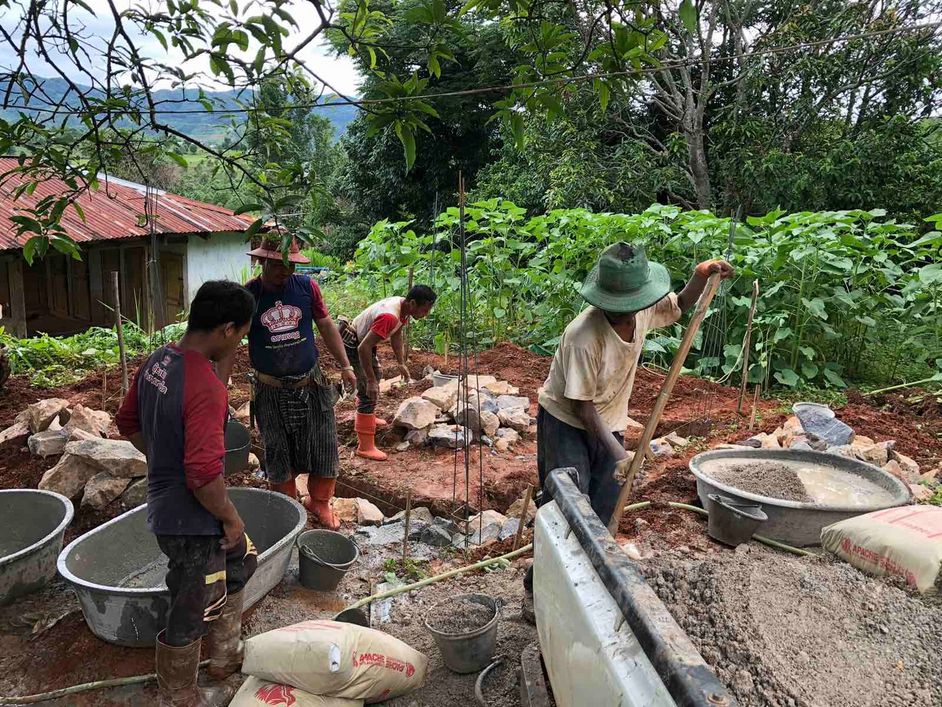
(281, 317)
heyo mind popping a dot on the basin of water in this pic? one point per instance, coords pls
(800, 491)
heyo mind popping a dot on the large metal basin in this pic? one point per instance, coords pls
(794, 522)
(117, 569)
(31, 530)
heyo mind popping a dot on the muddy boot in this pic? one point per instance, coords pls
(288, 488)
(176, 677)
(224, 639)
(526, 608)
(318, 503)
(365, 427)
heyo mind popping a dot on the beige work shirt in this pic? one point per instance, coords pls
(594, 363)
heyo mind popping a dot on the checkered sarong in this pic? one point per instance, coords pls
(298, 427)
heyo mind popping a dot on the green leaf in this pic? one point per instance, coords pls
(179, 159)
(245, 208)
(809, 371)
(931, 274)
(407, 138)
(787, 377)
(688, 15)
(816, 307)
(516, 126)
(834, 379)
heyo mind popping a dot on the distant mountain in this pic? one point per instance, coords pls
(205, 126)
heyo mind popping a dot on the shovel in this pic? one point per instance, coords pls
(354, 614)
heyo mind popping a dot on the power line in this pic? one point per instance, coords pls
(563, 81)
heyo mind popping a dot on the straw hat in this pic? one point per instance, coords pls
(271, 249)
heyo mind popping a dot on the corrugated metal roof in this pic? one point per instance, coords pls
(114, 211)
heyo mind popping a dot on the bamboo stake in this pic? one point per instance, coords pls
(405, 537)
(407, 342)
(755, 407)
(703, 304)
(523, 515)
(746, 345)
(116, 294)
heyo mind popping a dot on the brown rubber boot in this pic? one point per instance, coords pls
(288, 488)
(177, 669)
(223, 640)
(318, 503)
(365, 427)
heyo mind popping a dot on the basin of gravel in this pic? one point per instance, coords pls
(786, 631)
(768, 479)
(460, 616)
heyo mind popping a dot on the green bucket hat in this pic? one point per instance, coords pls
(625, 281)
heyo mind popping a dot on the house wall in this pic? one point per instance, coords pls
(219, 257)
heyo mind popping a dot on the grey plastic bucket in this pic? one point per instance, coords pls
(324, 557)
(467, 652)
(733, 522)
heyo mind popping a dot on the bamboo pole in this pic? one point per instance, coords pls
(119, 327)
(703, 304)
(755, 407)
(523, 515)
(746, 345)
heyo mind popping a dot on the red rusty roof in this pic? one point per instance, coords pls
(114, 211)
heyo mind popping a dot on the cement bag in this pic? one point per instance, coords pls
(338, 659)
(258, 693)
(904, 541)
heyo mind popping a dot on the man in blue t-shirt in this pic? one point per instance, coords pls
(293, 400)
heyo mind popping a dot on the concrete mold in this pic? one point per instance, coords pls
(117, 570)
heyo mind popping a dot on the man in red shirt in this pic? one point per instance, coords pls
(175, 413)
(381, 321)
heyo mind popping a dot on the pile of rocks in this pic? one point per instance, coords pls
(91, 467)
(447, 416)
(834, 437)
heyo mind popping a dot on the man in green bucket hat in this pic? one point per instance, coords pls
(584, 402)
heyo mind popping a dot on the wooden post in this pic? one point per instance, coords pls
(405, 536)
(523, 516)
(746, 345)
(119, 326)
(703, 304)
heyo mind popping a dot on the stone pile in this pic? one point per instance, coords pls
(834, 437)
(91, 467)
(446, 416)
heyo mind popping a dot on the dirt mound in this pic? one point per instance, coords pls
(804, 632)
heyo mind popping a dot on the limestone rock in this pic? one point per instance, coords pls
(450, 436)
(118, 457)
(41, 414)
(475, 382)
(844, 450)
(443, 397)
(345, 509)
(484, 422)
(873, 453)
(415, 414)
(77, 435)
(517, 507)
(506, 438)
(69, 476)
(661, 448)
(135, 494)
(896, 470)
(863, 441)
(435, 536)
(793, 426)
(102, 489)
(515, 419)
(820, 421)
(368, 513)
(388, 384)
(417, 437)
(766, 441)
(630, 549)
(908, 464)
(15, 434)
(931, 476)
(488, 517)
(513, 402)
(47, 443)
(502, 388)
(402, 446)
(242, 414)
(490, 533)
(419, 514)
(253, 463)
(96, 422)
(446, 524)
(509, 528)
(920, 492)
(634, 425)
(676, 440)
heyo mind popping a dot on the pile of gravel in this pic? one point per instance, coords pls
(785, 631)
(764, 478)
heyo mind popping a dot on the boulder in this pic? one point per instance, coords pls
(509, 528)
(450, 436)
(793, 426)
(502, 388)
(920, 492)
(102, 489)
(345, 509)
(488, 517)
(48, 443)
(446, 524)
(96, 422)
(490, 533)
(893, 467)
(117, 457)
(484, 422)
(419, 514)
(368, 513)
(415, 414)
(78, 435)
(872, 453)
(513, 402)
(69, 476)
(506, 438)
(14, 435)
(442, 397)
(135, 494)
(820, 421)
(417, 437)
(515, 419)
(435, 536)
(908, 464)
(40, 415)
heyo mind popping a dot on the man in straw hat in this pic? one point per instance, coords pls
(293, 400)
(584, 402)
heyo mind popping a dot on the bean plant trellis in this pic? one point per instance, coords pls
(846, 295)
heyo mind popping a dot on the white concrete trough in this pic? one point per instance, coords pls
(117, 570)
(31, 532)
(605, 637)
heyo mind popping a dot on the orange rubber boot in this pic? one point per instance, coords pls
(318, 503)
(365, 426)
(288, 488)
(380, 422)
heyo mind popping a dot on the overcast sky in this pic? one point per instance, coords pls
(338, 71)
